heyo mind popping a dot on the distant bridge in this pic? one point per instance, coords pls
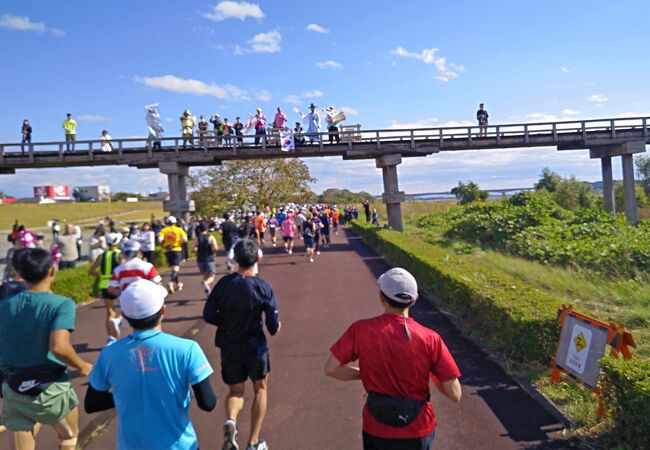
(605, 138)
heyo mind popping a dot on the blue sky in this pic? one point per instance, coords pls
(426, 63)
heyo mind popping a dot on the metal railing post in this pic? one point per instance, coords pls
(378, 140)
(91, 156)
(584, 131)
(498, 129)
(645, 127)
(320, 142)
(60, 153)
(612, 124)
(2, 154)
(176, 149)
(469, 135)
(119, 149)
(264, 142)
(31, 153)
(526, 136)
(412, 139)
(440, 137)
(554, 131)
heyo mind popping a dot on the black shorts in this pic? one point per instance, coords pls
(105, 294)
(235, 370)
(376, 443)
(287, 238)
(174, 258)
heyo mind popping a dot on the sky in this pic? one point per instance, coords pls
(417, 63)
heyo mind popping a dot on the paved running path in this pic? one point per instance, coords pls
(307, 410)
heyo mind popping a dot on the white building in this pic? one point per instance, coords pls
(99, 193)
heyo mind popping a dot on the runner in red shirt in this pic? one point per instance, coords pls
(397, 357)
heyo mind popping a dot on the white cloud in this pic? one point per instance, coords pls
(565, 69)
(266, 42)
(428, 122)
(194, 87)
(293, 99)
(93, 118)
(313, 94)
(446, 71)
(570, 112)
(24, 23)
(329, 64)
(349, 111)
(597, 98)
(317, 28)
(264, 96)
(235, 10)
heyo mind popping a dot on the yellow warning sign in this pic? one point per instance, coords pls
(580, 342)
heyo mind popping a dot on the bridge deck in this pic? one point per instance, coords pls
(365, 144)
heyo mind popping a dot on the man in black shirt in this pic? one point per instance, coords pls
(235, 306)
(482, 118)
(229, 234)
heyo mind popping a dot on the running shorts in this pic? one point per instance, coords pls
(105, 294)
(376, 443)
(208, 267)
(235, 370)
(287, 238)
(309, 241)
(174, 258)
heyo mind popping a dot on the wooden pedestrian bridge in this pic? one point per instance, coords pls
(604, 138)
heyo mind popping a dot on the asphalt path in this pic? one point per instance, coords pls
(317, 301)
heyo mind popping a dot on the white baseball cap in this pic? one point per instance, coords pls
(170, 220)
(113, 238)
(142, 299)
(399, 285)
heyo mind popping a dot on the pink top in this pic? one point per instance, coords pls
(280, 120)
(288, 227)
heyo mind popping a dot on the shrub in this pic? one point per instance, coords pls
(75, 284)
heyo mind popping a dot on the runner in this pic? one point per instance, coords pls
(229, 236)
(102, 268)
(132, 268)
(335, 220)
(317, 225)
(172, 237)
(146, 377)
(235, 306)
(309, 237)
(288, 232)
(258, 222)
(206, 248)
(300, 220)
(273, 228)
(325, 229)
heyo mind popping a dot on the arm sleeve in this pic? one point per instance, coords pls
(65, 316)
(344, 349)
(271, 315)
(96, 401)
(206, 399)
(443, 365)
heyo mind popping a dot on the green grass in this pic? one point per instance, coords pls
(37, 216)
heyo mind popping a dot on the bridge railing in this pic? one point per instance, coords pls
(440, 135)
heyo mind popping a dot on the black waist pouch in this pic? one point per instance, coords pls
(394, 411)
(34, 380)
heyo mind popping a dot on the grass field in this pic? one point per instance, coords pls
(37, 216)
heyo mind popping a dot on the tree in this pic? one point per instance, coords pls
(572, 194)
(122, 196)
(343, 196)
(251, 182)
(548, 181)
(468, 193)
(643, 171)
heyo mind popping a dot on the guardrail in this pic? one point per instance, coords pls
(489, 136)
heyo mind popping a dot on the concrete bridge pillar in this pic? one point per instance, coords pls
(178, 204)
(392, 196)
(626, 151)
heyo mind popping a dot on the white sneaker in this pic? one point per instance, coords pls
(290, 252)
(318, 252)
(230, 435)
(261, 445)
(206, 287)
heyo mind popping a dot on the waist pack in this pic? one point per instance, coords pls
(33, 381)
(394, 411)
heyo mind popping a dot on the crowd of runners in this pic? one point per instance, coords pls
(139, 373)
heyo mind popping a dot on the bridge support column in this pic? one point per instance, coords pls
(178, 204)
(392, 196)
(608, 184)
(626, 152)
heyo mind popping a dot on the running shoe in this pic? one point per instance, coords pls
(290, 252)
(170, 287)
(311, 259)
(179, 286)
(318, 252)
(230, 435)
(206, 287)
(261, 445)
(115, 323)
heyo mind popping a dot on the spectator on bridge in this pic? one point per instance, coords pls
(203, 131)
(154, 124)
(482, 118)
(188, 123)
(227, 132)
(313, 124)
(298, 137)
(26, 135)
(147, 377)
(333, 117)
(235, 306)
(397, 357)
(238, 126)
(107, 146)
(68, 247)
(218, 127)
(280, 119)
(259, 122)
(35, 351)
(70, 127)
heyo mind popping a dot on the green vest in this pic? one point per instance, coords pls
(110, 260)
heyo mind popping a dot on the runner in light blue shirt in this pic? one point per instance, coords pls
(149, 373)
